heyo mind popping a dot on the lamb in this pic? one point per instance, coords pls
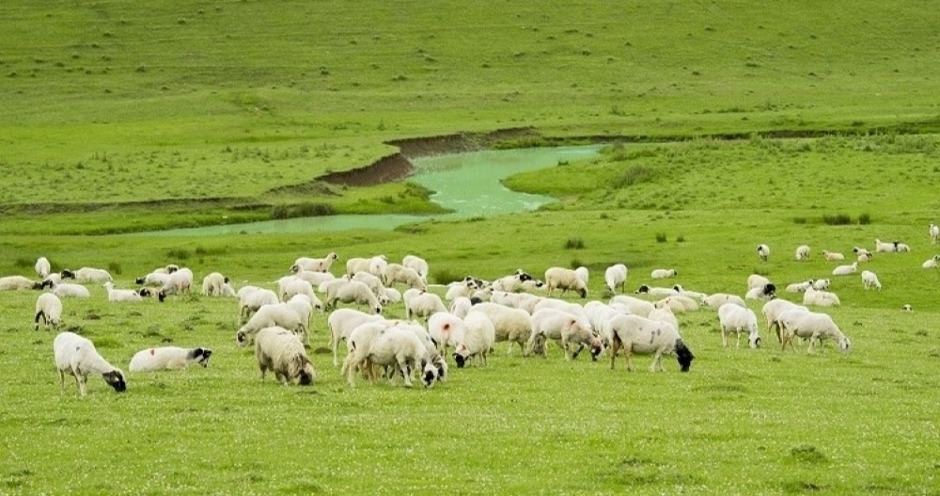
(89, 274)
(820, 298)
(251, 298)
(844, 270)
(405, 275)
(639, 335)
(616, 277)
(716, 300)
(881, 247)
(663, 273)
(763, 252)
(566, 329)
(15, 283)
(635, 305)
(870, 280)
(418, 264)
(342, 322)
(799, 287)
(934, 232)
(766, 292)
(78, 356)
(476, 339)
(394, 347)
(733, 318)
(511, 324)
(49, 309)
(213, 283)
(802, 252)
(341, 291)
(757, 281)
(833, 256)
(815, 327)
(117, 295)
(422, 304)
(168, 358)
(43, 267)
(655, 291)
(288, 315)
(931, 263)
(280, 351)
(564, 279)
(772, 311)
(314, 264)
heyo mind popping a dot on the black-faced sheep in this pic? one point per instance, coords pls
(78, 356)
(168, 358)
(763, 252)
(15, 283)
(396, 346)
(931, 263)
(214, 284)
(49, 310)
(643, 336)
(475, 339)
(280, 351)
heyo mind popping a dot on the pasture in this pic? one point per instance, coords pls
(121, 118)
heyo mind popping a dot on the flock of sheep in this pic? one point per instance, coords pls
(516, 308)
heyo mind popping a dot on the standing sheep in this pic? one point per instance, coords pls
(934, 232)
(342, 291)
(564, 328)
(763, 252)
(772, 311)
(444, 327)
(395, 346)
(733, 318)
(564, 279)
(293, 315)
(43, 267)
(642, 336)
(802, 252)
(213, 284)
(815, 327)
(78, 356)
(475, 339)
(422, 304)
(870, 280)
(418, 264)
(314, 264)
(342, 322)
(168, 358)
(616, 277)
(49, 309)
(511, 324)
(251, 298)
(280, 351)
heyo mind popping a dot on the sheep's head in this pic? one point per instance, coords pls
(643, 289)
(429, 374)
(754, 341)
(241, 337)
(140, 280)
(67, 274)
(844, 344)
(597, 346)
(461, 356)
(115, 379)
(306, 375)
(583, 292)
(200, 356)
(684, 356)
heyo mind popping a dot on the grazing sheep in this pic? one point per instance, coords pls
(78, 356)
(179, 282)
(716, 300)
(168, 358)
(881, 247)
(357, 264)
(932, 262)
(342, 291)
(833, 256)
(43, 267)
(799, 287)
(572, 308)
(564, 279)
(314, 264)
(815, 327)
(599, 315)
(844, 270)
(511, 324)
(772, 310)
(821, 284)
(475, 339)
(116, 295)
(390, 296)
(405, 275)
(89, 274)
(294, 286)
(870, 280)
(802, 252)
(566, 329)
(49, 309)
(212, 284)
(763, 252)
(280, 351)
(761, 293)
(616, 277)
(293, 315)
(418, 264)
(583, 274)
(820, 298)
(396, 346)
(757, 281)
(655, 291)
(15, 283)
(443, 327)
(251, 298)
(643, 336)
(934, 232)
(422, 304)
(460, 306)
(158, 277)
(635, 305)
(733, 318)
(663, 273)
(314, 278)
(342, 322)
(374, 283)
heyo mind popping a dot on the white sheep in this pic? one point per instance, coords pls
(418, 264)
(566, 306)
(635, 305)
(533, 285)
(583, 274)
(43, 267)
(422, 304)
(251, 298)
(761, 293)
(757, 281)
(599, 315)
(934, 232)
(314, 264)
(78, 356)
(343, 291)
(179, 282)
(820, 298)
(716, 300)
(870, 280)
(464, 288)
(616, 277)
(69, 290)
(390, 295)
(293, 286)
(680, 303)
(293, 315)
(460, 306)
(821, 284)
(168, 358)
(881, 247)
(158, 277)
(664, 314)
(314, 278)
(907, 308)
(397, 273)
(15, 283)
(763, 252)
(831, 256)
(802, 252)
(733, 318)
(901, 247)
(511, 324)
(49, 309)
(932, 262)
(342, 322)
(564, 279)
(815, 327)
(395, 346)
(476, 339)
(799, 287)
(117, 295)
(663, 273)
(512, 282)
(772, 310)
(212, 284)
(844, 270)
(443, 327)
(566, 329)
(643, 336)
(695, 295)
(90, 274)
(280, 351)
(656, 291)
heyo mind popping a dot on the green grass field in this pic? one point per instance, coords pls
(120, 118)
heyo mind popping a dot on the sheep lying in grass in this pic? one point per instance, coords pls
(799, 287)
(43, 267)
(821, 284)
(616, 277)
(566, 329)
(656, 291)
(67, 290)
(761, 293)
(844, 270)
(565, 279)
(314, 264)
(168, 358)
(763, 252)
(870, 280)
(733, 318)
(15, 283)
(716, 300)
(49, 310)
(118, 295)
(342, 322)
(512, 282)
(663, 273)
(757, 281)
(931, 263)
(802, 252)
(395, 346)
(78, 356)
(882, 247)
(815, 327)
(820, 298)
(280, 351)
(511, 324)
(695, 295)
(643, 336)
(90, 274)
(833, 256)
(474, 339)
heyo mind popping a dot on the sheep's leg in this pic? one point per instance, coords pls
(405, 372)
(61, 381)
(79, 381)
(334, 345)
(737, 338)
(724, 337)
(614, 347)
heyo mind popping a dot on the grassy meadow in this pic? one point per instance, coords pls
(120, 118)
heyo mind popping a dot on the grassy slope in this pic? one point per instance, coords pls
(177, 85)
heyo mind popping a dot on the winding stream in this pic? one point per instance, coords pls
(467, 183)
